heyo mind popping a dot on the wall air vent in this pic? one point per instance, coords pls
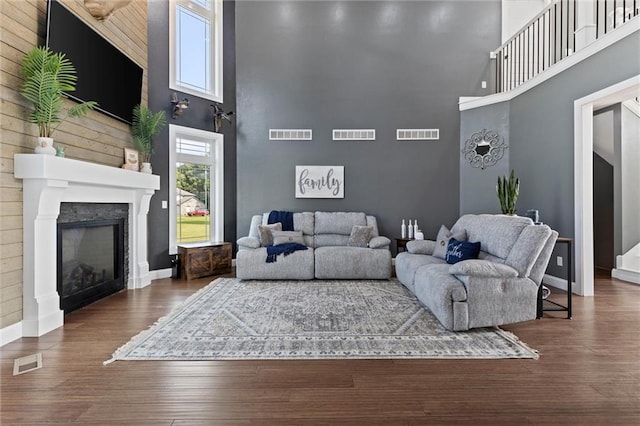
(354, 134)
(417, 134)
(290, 134)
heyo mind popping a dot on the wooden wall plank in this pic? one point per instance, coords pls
(10, 291)
(11, 264)
(11, 234)
(12, 279)
(11, 312)
(11, 223)
(96, 137)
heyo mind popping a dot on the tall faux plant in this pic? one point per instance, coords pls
(508, 191)
(47, 75)
(144, 127)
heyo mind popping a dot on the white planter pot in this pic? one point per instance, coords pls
(45, 146)
(146, 168)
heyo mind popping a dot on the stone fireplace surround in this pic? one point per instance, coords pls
(47, 182)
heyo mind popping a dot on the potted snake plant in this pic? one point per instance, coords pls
(508, 190)
(47, 76)
(144, 126)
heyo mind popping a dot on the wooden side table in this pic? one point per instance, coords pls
(204, 259)
(401, 243)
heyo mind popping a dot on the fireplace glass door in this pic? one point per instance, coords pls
(90, 261)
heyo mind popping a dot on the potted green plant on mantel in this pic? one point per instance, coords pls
(508, 190)
(47, 76)
(144, 127)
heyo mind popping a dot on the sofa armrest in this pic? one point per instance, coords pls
(379, 242)
(483, 269)
(421, 246)
(248, 242)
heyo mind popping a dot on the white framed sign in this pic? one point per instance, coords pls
(319, 181)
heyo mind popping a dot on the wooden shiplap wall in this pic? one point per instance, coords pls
(96, 137)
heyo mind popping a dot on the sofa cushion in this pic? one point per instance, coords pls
(527, 249)
(483, 268)
(304, 222)
(498, 233)
(408, 263)
(331, 240)
(338, 222)
(379, 242)
(442, 240)
(249, 242)
(372, 221)
(266, 233)
(421, 246)
(458, 251)
(352, 263)
(360, 236)
(439, 290)
(256, 220)
(539, 268)
(284, 237)
(252, 265)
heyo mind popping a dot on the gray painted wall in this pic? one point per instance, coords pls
(198, 116)
(351, 64)
(541, 130)
(478, 186)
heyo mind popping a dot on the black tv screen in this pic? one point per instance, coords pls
(105, 74)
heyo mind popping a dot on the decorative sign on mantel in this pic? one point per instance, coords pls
(319, 181)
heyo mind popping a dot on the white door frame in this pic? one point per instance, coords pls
(583, 174)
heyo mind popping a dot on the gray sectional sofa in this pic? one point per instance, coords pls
(329, 255)
(499, 287)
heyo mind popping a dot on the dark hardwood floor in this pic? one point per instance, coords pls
(588, 373)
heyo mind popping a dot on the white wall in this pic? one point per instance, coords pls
(516, 13)
(630, 178)
(603, 136)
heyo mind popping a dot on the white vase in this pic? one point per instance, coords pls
(45, 146)
(146, 168)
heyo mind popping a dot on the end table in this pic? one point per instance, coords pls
(401, 243)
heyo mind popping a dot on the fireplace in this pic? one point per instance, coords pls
(49, 183)
(90, 261)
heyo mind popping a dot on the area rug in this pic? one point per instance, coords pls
(232, 319)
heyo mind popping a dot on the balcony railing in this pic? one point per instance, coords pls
(550, 37)
(611, 14)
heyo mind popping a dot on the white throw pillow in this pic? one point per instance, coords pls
(442, 241)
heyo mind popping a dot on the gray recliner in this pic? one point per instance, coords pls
(500, 287)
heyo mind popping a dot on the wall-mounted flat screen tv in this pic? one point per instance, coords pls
(105, 74)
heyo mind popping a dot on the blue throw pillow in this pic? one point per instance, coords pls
(461, 250)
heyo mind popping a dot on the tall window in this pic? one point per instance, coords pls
(195, 47)
(196, 170)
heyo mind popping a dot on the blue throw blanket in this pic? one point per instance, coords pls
(286, 249)
(285, 218)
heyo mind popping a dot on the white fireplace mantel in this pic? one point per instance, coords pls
(49, 181)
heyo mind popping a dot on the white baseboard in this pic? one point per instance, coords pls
(158, 274)
(10, 333)
(626, 275)
(560, 283)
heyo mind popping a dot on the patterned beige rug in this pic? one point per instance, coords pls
(232, 319)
